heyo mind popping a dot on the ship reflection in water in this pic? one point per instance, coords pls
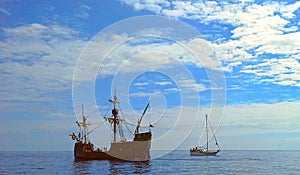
(131, 167)
(111, 167)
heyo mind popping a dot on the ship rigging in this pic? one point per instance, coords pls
(136, 150)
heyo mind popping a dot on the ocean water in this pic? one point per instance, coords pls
(176, 162)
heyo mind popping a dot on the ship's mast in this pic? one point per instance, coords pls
(84, 125)
(140, 120)
(115, 114)
(84, 121)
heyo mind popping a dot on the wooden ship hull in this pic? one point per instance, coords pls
(136, 150)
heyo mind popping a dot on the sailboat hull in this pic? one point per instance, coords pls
(203, 153)
(137, 150)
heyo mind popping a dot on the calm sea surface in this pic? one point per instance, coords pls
(176, 162)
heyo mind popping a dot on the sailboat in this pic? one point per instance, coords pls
(120, 149)
(204, 151)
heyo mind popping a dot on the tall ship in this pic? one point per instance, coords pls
(136, 150)
(204, 150)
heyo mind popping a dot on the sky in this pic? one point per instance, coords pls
(237, 61)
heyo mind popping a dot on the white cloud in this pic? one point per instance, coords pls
(141, 84)
(37, 63)
(288, 10)
(153, 5)
(285, 71)
(191, 85)
(172, 90)
(163, 83)
(154, 56)
(136, 54)
(260, 31)
(256, 118)
(233, 64)
(186, 85)
(258, 28)
(142, 94)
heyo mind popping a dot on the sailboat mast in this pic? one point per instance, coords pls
(206, 132)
